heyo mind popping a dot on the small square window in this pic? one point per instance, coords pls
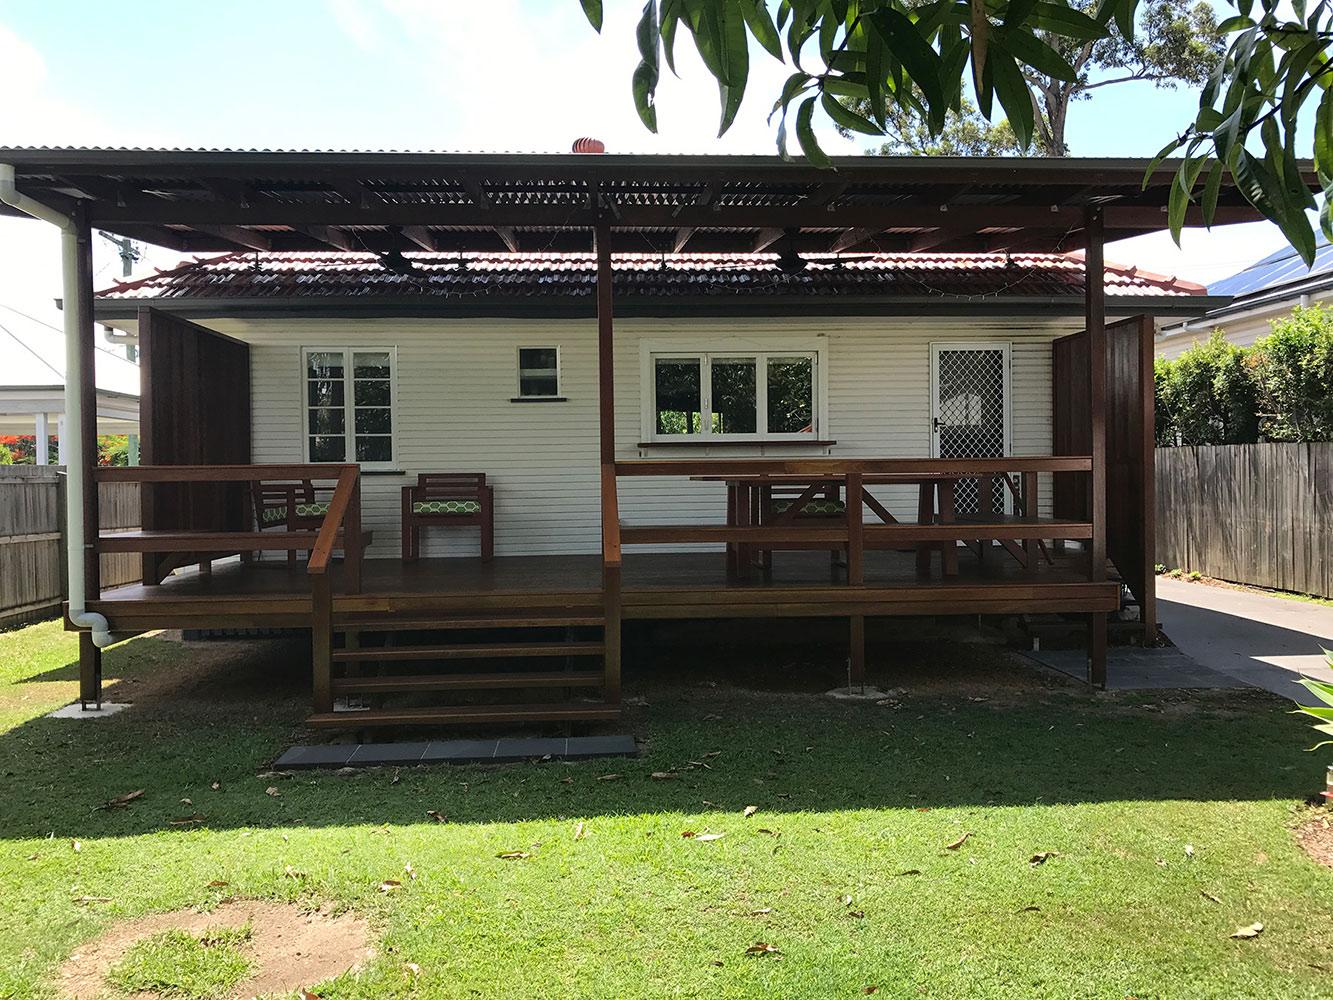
(538, 372)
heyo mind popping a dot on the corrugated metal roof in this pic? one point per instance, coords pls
(254, 276)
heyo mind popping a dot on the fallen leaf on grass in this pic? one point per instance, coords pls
(514, 856)
(566, 781)
(691, 835)
(870, 991)
(769, 833)
(1209, 896)
(217, 883)
(409, 870)
(307, 995)
(76, 846)
(579, 830)
(291, 872)
(909, 871)
(187, 802)
(84, 900)
(1030, 909)
(389, 885)
(609, 777)
(413, 968)
(749, 811)
(763, 948)
(216, 785)
(959, 842)
(663, 775)
(845, 900)
(858, 914)
(192, 820)
(1251, 931)
(762, 911)
(1041, 857)
(271, 790)
(270, 775)
(121, 801)
(436, 815)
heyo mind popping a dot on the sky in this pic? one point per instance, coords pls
(499, 75)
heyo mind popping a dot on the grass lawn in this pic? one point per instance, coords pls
(1170, 818)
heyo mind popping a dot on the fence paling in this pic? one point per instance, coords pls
(1260, 514)
(32, 558)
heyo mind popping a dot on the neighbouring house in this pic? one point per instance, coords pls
(1266, 290)
(697, 388)
(32, 384)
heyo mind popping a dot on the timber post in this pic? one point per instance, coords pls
(1094, 292)
(606, 427)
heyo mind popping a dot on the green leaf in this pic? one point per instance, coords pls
(736, 57)
(762, 26)
(1036, 53)
(1012, 90)
(805, 135)
(1320, 689)
(1211, 189)
(917, 57)
(1017, 12)
(669, 17)
(1323, 136)
(846, 117)
(1065, 21)
(593, 10)
(644, 82)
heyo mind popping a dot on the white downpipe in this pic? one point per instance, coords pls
(77, 546)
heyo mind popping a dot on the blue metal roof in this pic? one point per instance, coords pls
(1278, 268)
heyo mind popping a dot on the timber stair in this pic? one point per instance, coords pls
(438, 668)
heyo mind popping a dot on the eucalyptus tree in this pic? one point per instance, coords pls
(921, 57)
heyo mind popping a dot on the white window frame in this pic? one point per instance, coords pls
(708, 351)
(349, 406)
(518, 371)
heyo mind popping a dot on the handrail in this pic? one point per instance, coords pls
(333, 521)
(815, 467)
(610, 518)
(217, 473)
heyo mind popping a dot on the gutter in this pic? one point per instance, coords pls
(78, 546)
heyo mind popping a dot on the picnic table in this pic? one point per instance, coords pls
(750, 501)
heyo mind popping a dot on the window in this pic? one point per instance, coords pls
(349, 405)
(539, 373)
(734, 395)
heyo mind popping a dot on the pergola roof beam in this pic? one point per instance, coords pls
(239, 236)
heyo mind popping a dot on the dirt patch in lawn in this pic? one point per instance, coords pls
(290, 949)
(1316, 838)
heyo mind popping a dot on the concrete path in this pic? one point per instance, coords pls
(1265, 641)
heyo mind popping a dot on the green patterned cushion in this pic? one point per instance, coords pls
(446, 507)
(274, 515)
(815, 506)
(311, 509)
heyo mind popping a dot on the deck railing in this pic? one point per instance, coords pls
(1022, 533)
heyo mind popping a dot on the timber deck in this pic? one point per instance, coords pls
(273, 594)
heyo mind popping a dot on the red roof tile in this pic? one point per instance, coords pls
(536, 275)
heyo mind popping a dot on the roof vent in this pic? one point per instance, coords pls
(586, 144)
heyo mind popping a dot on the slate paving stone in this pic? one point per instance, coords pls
(621, 745)
(459, 751)
(537, 746)
(372, 754)
(327, 755)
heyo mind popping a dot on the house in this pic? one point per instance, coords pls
(699, 388)
(1266, 290)
(32, 385)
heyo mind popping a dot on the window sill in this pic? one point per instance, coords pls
(539, 399)
(383, 472)
(763, 443)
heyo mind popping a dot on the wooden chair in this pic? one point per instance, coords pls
(450, 500)
(785, 502)
(289, 506)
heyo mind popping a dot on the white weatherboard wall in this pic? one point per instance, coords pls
(456, 379)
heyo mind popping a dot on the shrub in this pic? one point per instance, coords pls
(1293, 374)
(1206, 396)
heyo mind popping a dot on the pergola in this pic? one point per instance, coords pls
(208, 201)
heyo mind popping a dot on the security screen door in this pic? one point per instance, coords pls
(969, 401)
